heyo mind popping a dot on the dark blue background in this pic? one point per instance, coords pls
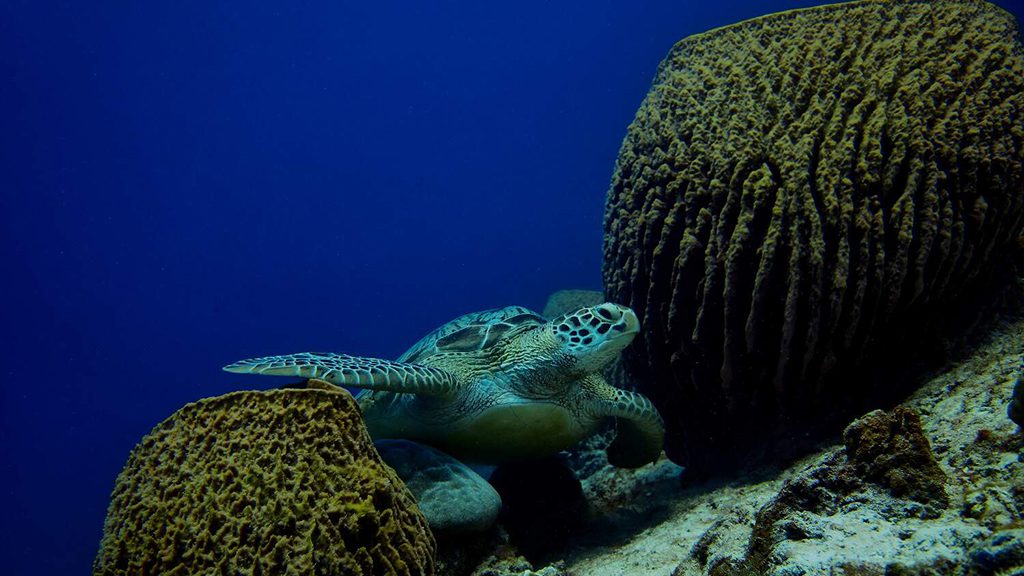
(188, 184)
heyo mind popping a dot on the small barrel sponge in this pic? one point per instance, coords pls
(276, 482)
(802, 191)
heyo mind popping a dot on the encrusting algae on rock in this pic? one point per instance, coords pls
(275, 482)
(890, 449)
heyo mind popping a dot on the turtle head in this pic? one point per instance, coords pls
(596, 334)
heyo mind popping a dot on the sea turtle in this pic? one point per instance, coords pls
(495, 386)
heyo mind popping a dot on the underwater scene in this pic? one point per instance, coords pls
(492, 289)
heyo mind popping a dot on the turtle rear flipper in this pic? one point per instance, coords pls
(354, 371)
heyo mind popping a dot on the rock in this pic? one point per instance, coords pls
(460, 553)
(591, 455)
(515, 566)
(1001, 553)
(451, 495)
(275, 482)
(1016, 408)
(798, 200)
(829, 519)
(889, 448)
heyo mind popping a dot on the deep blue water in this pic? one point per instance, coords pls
(188, 184)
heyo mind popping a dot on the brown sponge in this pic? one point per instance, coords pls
(801, 192)
(277, 482)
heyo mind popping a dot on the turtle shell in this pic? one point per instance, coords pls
(471, 332)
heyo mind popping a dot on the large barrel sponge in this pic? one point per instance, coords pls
(277, 482)
(800, 192)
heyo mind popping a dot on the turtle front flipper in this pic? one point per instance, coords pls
(354, 371)
(640, 431)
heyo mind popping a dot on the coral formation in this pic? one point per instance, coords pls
(284, 481)
(799, 193)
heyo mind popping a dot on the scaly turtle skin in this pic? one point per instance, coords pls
(495, 386)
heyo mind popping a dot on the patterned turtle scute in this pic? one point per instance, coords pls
(802, 196)
(471, 332)
(465, 340)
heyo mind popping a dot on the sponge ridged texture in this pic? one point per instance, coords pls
(800, 189)
(277, 482)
